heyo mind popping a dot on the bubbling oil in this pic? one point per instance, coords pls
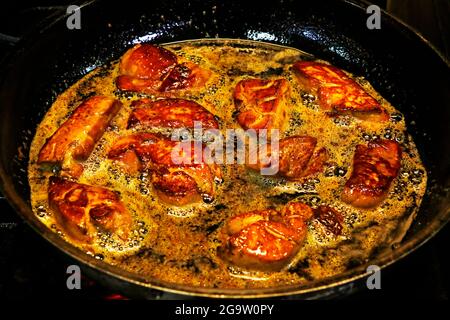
(179, 244)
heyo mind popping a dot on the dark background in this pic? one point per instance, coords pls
(40, 273)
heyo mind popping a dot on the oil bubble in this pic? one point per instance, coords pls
(396, 117)
(99, 256)
(340, 171)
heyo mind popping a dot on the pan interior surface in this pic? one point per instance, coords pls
(155, 249)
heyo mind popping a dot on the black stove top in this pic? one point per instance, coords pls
(32, 268)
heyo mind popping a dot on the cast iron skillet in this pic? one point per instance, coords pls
(400, 64)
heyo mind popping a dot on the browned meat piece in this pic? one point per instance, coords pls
(330, 218)
(178, 176)
(147, 61)
(152, 69)
(316, 163)
(337, 92)
(83, 210)
(262, 104)
(185, 76)
(374, 168)
(128, 83)
(170, 113)
(124, 151)
(76, 138)
(268, 239)
(183, 185)
(150, 147)
(144, 67)
(298, 158)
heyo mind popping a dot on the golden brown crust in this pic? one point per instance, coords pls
(75, 139)
(316, 162)
(154, 70)
(186, 75)
(125, 154)
(375, 166)
(298, 157)
(262, 104)
(330, 218)
(184, 180)
(147, 61)
(337, 92)
(268, 239)
(170, 113)
(128, 83)
(82, 210)
(295, 155)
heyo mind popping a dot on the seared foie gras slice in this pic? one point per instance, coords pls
(124, 151)
(144, 67)
(183, 185)
(154, 70)
(82, 210)
(262, 104)
(300, 158)
(297, 156)
(185, 180)
(76, 138)
(179, 173)
(374, 168)
(185, 76)
(266, 240)
(331, 219)
(337, 92)
(170, 113)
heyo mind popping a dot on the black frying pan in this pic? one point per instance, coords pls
(400, 64)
